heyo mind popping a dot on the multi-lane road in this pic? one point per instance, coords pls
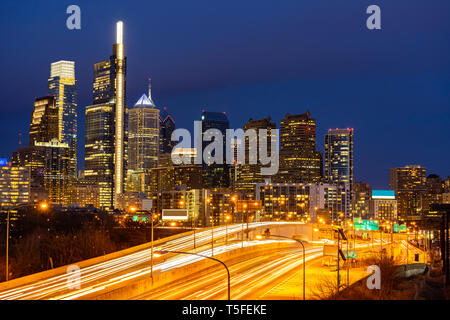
(251, 277)
(112, 273)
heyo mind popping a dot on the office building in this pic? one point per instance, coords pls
(383, 205)
(99, 150)
(339, 156)
(106, 125)
(44, 120)
(62, 86)
(14, 186)
(362, 193)
(215, 175)
(250, 174)
(297, 201)
(49, 164)
(166, 127)
(409, 184)
(143, 140)
(300, 162)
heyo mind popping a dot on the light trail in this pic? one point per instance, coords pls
(112, 272)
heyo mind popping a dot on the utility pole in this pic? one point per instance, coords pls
(7, 247)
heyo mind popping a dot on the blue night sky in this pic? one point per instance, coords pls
(252, 59)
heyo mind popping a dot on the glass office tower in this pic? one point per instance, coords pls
(62, 86)
(339, 156)
(105, 156)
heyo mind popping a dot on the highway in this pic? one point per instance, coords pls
(255, 274)
(109, 274)
(250, 279)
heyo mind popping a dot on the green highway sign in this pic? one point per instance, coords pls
(135, 218)
(366, 225)
(402, 228)
(350, 254)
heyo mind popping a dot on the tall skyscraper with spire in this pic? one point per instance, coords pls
(143, 142)
(62, 86)
(105, 154)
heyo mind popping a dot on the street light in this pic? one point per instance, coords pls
(259, 237)
(227, 217)
(208, 200)
(161, 252)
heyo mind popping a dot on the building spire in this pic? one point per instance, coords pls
(150, 90)
(119, 32)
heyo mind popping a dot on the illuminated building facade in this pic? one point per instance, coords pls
(383, 205)
(339, 156)
(215, 175)
(99, 150)
(106, 125)
(44, 120)
(300, 162)
(143, 140)
(62, 86)
(175, 177)
(296, 201)
(362, 193)
(250, 174)
(49, 164)
(409, 184)
(85, 194)
(14, 186)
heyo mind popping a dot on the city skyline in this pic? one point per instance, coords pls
(266, 138)
(326, 97)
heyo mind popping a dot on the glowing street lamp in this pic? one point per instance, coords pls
(260, 237)
(227, 218)
(199, 255)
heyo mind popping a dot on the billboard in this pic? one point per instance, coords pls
(174, 214)
(3, 162)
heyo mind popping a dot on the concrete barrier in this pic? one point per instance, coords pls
(200, 268)
(409, 270)
(85, 263)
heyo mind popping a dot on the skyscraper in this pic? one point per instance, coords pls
(409, 183)
(143, 135)
(105, 154)
(300, 162)
(62, 86)
(44, 120)
(166, 127)
(339, 156)
(99, 150)
(250, 174)
(143, 142)
(215, 175)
